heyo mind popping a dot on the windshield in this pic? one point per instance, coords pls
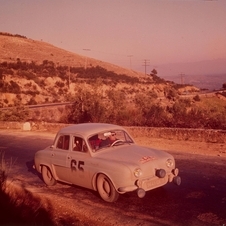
(108, 139)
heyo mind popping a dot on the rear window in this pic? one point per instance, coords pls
(63, 142)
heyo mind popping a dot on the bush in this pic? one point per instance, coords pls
(224, 86)
(19, 113)
(170, 93)
(26, 74)
(196, 98)
(20, 206)
(59, 84)
(32, 101)
(88, 107)
(14, 87)
(157, 79)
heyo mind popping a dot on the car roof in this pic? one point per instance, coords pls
(87, 129)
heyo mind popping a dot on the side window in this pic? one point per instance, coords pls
(60, 142)
(63, 142)
(95, 142)
(79, 144)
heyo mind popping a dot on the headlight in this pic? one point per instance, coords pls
(137, 172)
(169, 163)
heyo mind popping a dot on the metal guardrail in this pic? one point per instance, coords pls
(40, 105)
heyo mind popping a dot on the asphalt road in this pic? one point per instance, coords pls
(200, 200)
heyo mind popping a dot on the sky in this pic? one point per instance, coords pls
(128, 33)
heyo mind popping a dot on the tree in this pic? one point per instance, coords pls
(224, 86)
(154, 72)
(1, 74)
(155, 78)
(88, 107)
(18, 113)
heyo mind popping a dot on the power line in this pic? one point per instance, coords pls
(146, 63)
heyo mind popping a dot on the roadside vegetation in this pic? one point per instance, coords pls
(197, 112)
(19, 206)
(98, 95)
(22, 207)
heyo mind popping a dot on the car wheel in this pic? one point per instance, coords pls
(106, 189)
(47, 176)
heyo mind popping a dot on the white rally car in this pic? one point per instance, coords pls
(104, 157)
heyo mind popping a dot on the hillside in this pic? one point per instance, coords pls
(14, 47)
(34, 73)
(40, 73)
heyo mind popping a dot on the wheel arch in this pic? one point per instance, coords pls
(94, 180)
(50, 168)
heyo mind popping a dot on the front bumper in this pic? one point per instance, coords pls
(147, 184)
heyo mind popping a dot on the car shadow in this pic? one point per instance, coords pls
(186, 204)
(31, 169)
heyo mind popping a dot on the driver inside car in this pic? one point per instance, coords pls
(111, 138)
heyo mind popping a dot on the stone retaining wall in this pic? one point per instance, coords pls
(199, 135)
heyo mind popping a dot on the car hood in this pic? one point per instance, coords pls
(135, 154)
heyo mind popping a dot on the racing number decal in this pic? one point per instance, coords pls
(75, 167)
(80, 164)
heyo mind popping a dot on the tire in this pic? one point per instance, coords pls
(106, 189)
(47, 176)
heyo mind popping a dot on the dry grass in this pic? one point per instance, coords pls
(21, 207)
(37, 51)
(212, 104)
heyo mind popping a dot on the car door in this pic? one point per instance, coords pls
(60, 156)
(78, 162)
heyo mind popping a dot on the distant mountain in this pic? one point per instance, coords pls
(210, 74)
(210, 82)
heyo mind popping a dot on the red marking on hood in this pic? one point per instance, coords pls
(146, 159)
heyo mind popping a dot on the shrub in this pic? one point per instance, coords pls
(170, 93)
(13, 87)
(157, 79)
(59, 84)
(32, 101)
(26, 74)
(87, 107)
(224, 86)
(18, 113)
(8, 71)
(20, 205)
(196, 98)
(38, 81)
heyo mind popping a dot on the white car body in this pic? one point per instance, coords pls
(77, 157)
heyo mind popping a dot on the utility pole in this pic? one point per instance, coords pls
(69, 77)
(146, 63)
(130, 60)
(182, 78)
(86, 57)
